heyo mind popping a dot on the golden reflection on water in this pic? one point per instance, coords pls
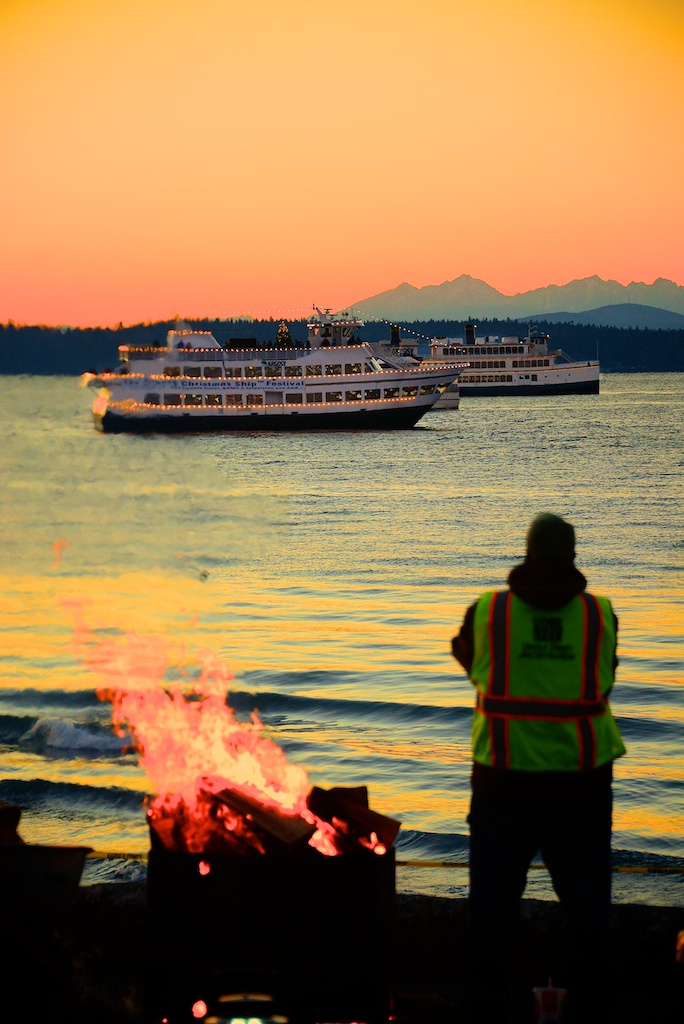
(648, 822)
(22, 765)
(247, 627)
(395, 654)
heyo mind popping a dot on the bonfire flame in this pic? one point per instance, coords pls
(171, 708)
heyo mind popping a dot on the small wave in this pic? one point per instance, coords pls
(430, 846)
(68, 797)
(114, 869)
(13, 727)
(30, 699)
(649, 728)
(270, 703)
(56, 734)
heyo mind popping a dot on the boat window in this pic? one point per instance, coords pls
(273, 371)
(534, 376)
(172, 399)
(391, 392)
(193, 371)
(192, 400)
(314, 370)
(367, 368)
(427, 389)
(212, 371)
(255, 399)
(253, 371)
(314, 396)
(352, 396)
(441, 388)
(333, 396)
(152, 399)
(409, 392)
(546, 362)
(333, 369)
(234, 371)
(213, 400)
(294, 398)
(373, 394)
(172, 371)
(352, 368)
(509, 376)
(234, 399)
(293, 371)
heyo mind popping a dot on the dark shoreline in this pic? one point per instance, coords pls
(96, 970)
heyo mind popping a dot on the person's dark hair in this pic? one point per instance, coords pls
(550, 537)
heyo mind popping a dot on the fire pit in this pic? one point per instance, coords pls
(311, 933)
(264, 894)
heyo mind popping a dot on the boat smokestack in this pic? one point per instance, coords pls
(470, 330)
(395, 335)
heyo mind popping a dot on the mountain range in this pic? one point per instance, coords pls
(468, 297)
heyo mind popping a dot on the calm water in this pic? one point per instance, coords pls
(330, 571)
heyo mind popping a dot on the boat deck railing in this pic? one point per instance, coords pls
(208, 355)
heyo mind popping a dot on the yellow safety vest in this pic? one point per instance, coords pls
(542, 680)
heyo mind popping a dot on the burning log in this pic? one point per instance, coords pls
(228, 821)
(206, 826)
(356, 826)
(277, 831)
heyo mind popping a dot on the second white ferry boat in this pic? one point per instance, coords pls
(331, 382)
(511, 366)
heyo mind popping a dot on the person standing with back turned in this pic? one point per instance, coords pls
(542, 657)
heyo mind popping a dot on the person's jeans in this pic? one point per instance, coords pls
(573, 837)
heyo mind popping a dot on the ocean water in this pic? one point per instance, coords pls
(330, 572)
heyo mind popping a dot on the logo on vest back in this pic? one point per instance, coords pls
(547, 641)
(549, 630)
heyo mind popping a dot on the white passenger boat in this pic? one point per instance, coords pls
(332, 382)
(511, 366)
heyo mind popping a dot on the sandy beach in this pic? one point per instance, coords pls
(91, 968)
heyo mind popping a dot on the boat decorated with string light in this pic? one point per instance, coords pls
(510, 366)
(332, 382)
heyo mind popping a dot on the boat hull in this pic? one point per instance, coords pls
(577, 387)
(111, 422)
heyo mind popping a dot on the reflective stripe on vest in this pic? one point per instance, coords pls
(499, 706)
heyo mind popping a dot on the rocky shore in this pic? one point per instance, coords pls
(91, 968)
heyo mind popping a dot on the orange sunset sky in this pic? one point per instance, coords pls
(214, 157)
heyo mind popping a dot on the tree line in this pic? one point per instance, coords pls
(45, 350)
